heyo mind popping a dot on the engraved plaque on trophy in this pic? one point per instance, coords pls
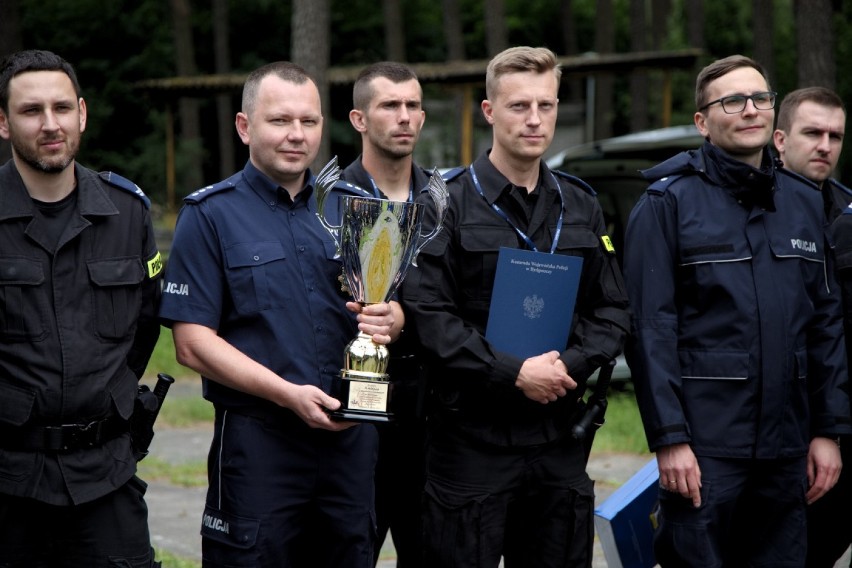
(378, 240)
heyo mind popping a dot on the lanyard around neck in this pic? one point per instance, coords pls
(377, 193)
(522, 234)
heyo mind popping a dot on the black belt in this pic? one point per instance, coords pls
(67, 437)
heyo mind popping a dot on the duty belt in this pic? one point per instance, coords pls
(67, 437)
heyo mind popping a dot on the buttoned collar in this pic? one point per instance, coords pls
(273, 194)
(494, 183)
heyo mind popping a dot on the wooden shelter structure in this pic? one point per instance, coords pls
(464, 76)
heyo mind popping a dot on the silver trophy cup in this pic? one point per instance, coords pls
(378, 240)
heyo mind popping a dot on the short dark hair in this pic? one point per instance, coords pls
(819, 95)
(517, 60)
(719, 68)
(362, 92)
(284, 70)
(32, 60)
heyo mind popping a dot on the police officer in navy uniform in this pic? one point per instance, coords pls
(504, 476)
(79, 289)
(809, 138)
(388, 113)
(253, 296)
(737, 347)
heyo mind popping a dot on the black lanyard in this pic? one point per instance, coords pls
(377, 193)
(522, 234)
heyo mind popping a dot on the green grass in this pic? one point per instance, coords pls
(190, 474)
(170, 560)
(622, 431)
(180, 412)
(163, 359)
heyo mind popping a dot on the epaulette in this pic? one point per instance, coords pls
(576, 181)
(350, 188)
(662, 184)
(120, 182)
(453, 173)
(798, 177)
(840, 186)
(447, 176)
(201, 194)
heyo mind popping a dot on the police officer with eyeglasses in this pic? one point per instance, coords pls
(737, 350)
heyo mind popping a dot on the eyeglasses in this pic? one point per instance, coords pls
(737, 103)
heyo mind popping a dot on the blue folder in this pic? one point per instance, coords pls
(532, 301)
(623, 522)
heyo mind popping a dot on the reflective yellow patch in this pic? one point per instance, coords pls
(607, 243)
(155, 265)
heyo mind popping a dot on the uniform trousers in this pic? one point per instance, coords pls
(829, 525)
(531, 505)
(272, 477)
(109, 532)
(752, 513)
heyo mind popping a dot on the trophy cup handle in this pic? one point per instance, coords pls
(440, 195)
(325, 180)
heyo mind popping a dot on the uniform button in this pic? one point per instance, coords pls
(256, 257)
(272, 204)
(301, 249)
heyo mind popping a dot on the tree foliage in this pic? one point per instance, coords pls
(114, 44)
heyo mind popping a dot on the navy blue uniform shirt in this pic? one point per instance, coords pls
(261, 270)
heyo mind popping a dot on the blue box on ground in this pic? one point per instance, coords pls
(623, 521)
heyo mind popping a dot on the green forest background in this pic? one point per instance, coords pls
(116, 44)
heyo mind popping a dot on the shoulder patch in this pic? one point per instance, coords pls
(662, 184)
(575, 181)
(120, 182)
(154, 265)
(205, 192)
(350, 188)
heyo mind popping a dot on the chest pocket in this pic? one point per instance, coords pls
(23, 300)
(706, 251)
(480, 247)
(577, 241)
(257, 275)
(807, 248)
(117, 300)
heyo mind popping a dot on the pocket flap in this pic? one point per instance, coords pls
(21, 271)
(116, 271)
(731, 365)
(230, 530)
(16, 404)
(254, 254)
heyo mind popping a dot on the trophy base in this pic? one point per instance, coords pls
(346, 415)
(364, 397)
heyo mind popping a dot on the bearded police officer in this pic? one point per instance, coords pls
(79, 288)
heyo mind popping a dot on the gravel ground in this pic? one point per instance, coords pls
(175, 512)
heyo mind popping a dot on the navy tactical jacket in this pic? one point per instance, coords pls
(737, 343)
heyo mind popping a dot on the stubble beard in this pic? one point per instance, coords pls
(53, 165)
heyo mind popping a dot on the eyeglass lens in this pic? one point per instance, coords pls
(737, 103)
